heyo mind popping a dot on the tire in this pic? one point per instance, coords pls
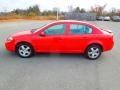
(24, 50)
(93, 52)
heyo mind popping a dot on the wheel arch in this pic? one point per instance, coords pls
(25, 42)
(99, 44)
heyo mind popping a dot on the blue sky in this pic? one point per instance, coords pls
(8, 5)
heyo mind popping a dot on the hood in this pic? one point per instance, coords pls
(28, 32)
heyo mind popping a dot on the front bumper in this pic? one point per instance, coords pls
(10, 46)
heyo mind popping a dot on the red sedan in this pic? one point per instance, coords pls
(65, 36)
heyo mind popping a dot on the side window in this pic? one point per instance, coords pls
(56, 29)
(80, 29)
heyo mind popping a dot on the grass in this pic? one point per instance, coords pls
(18, 17)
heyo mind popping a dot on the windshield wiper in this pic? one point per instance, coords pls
(33, 30)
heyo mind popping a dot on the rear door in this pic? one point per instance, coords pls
(77, 38)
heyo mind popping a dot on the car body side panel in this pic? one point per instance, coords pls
(66, 43)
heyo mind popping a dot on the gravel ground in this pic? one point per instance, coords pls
(55, 71)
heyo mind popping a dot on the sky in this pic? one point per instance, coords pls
(8, 5)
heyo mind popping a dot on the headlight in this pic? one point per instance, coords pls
(9, 39)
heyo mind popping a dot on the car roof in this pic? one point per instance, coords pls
(71, 21)
(68, 21)
(74, 21)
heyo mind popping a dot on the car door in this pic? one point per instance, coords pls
(77, 37)
(52, 40)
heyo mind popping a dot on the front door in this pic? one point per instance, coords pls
(53, 40)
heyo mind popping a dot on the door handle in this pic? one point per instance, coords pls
(85, 37)
(58, 38)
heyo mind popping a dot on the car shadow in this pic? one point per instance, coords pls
(62, 55)
(9, 55)
(44, 56)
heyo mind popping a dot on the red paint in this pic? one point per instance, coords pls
(66, 43)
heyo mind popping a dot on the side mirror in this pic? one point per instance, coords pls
(42, 34)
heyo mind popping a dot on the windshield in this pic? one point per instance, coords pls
(36, 29)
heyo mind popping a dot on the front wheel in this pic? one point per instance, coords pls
(24, 50)
(93, 52)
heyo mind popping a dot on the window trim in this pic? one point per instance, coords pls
(55, 25)
(79, 33)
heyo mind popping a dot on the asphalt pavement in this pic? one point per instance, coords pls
(58, 71)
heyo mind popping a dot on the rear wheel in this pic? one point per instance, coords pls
(24, 50)
(93, 52)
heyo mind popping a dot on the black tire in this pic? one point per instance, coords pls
(28, 48)
(93, 52)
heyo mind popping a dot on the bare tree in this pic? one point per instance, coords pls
(82, 10)
(98, 9)
(118, 12)
(77, 10)
(70, 8)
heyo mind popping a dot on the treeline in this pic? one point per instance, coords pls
(34, 11)
(31, 11)
(99, 10)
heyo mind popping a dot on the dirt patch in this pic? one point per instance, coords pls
(21, 18)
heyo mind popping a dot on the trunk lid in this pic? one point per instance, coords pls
(107, 31)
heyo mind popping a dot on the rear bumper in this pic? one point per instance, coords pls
(109, 46)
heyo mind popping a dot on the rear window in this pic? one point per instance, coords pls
(80, 29)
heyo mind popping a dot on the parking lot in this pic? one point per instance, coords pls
(58, 71)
